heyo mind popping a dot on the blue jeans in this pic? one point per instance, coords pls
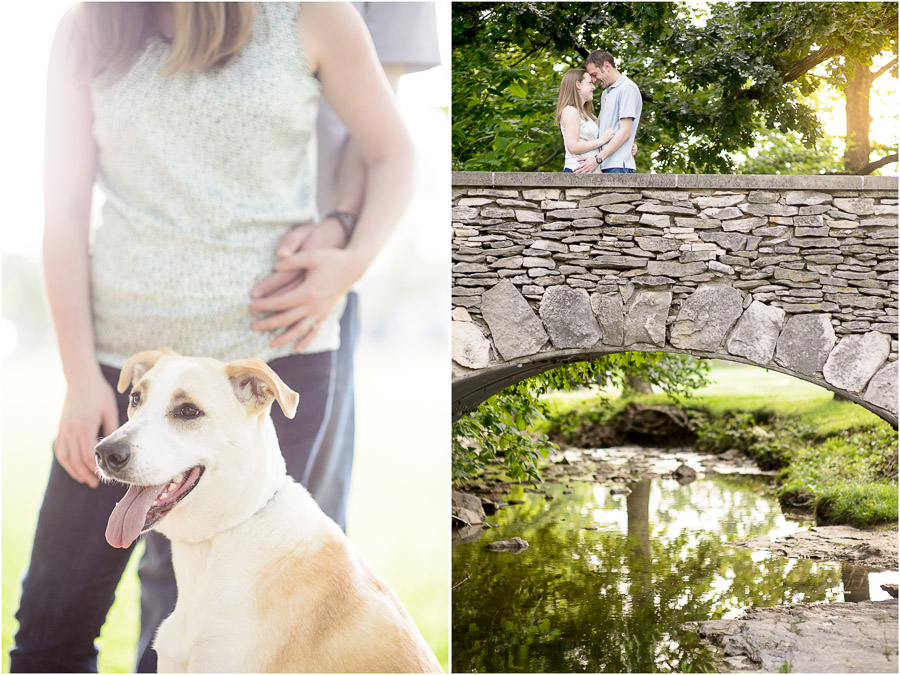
(618, 169)
(328, 474)
(73, 573)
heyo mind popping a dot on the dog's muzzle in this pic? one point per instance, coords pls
(113, 455)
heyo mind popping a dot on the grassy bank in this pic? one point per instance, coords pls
(833, 457)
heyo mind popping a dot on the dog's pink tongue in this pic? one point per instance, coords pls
(127, 519)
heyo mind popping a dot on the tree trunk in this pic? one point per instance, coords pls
(638, 385)
(856, 93)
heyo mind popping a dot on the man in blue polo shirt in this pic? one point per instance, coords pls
(620, 110)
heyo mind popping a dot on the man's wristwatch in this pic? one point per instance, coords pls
(346, 219)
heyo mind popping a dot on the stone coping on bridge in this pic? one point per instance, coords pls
(500, 179)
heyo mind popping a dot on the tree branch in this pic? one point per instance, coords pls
(872, 166)
(552, 156)
(807, 63)
(881, 72)
(799, 68)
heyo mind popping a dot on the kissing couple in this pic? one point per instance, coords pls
(588, 149)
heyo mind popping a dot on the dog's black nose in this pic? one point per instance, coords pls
(113, 455)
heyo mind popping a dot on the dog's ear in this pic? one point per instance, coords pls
(135, 368)
(256, 385)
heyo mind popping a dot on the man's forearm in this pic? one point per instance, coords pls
(389, 185)
(350, 184)
(616, 142)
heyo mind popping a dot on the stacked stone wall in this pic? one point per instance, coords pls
(798, 272)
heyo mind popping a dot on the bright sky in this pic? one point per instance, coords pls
(26, 49)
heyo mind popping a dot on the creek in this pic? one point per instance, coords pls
(617, 566)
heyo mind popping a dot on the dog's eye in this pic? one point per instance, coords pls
(135, 398)
(188, 411)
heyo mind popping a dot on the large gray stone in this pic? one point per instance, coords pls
(706, 317)
(666, 209)
(571, 214)
(730, 241)
(862, 206)
(882, 389)
(718, 202)
(806, 198)
(856, 359)
(526, 216)
(615, 261)
(658, 244)
(515, 328)
(469, 347)
(756, 332)
(568, 317)
(645, 317)
(467, 508)
(835, 637)
(674, 269)
(463, 213)
(610, 312)
(805, 342)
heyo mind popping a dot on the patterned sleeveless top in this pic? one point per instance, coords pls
(587, 131)
(203, 173)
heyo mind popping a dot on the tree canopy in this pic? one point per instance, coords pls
(717, 80)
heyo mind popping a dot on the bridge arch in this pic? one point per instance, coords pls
(796, 274)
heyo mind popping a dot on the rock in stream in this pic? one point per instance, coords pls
(858, 637)
(514, 545)
(842, 543)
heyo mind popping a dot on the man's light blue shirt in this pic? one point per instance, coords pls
(620, 100)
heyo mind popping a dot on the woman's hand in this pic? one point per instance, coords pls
(633, 149)
(606, 136)
(312, 282)
(90, 407)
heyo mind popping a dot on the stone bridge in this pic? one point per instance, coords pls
(796, 274)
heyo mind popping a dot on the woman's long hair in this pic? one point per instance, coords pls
(206, 34)
(568, 95)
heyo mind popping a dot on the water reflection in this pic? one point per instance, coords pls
(608, 580)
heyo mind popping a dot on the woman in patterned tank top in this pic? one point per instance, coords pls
(195, 120)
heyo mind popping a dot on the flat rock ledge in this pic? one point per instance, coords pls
(857, 637)
(841, 543)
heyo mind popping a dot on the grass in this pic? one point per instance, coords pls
(750, 389)
(399, 494)
(835, 457)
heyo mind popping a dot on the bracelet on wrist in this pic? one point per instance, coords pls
(346, 219)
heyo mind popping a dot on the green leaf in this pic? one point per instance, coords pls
(518, 90)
